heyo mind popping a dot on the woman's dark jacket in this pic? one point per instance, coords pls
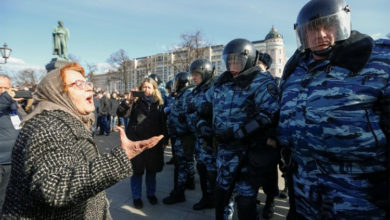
(147, 119)
(58, 172)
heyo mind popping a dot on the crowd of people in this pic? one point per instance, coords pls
(326, 123)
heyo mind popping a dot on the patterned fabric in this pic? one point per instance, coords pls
(334, 196)
(330, 118)
(205, 153)
(184, 141)
(58, 173)
(177, 123)
(236, 101)
(328, 114)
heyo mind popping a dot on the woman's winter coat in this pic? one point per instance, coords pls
(147, 119)
(58, 173)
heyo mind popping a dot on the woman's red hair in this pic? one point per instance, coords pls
(72, 66)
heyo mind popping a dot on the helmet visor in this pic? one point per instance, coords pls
(235, 62)
(324, 31)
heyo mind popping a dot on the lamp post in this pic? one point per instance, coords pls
(5, 52)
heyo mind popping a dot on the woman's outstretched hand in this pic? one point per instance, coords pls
(133, 148)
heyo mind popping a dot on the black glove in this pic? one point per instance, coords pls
(191, 108)
(206, 110)
(225, 136)
(182, 118)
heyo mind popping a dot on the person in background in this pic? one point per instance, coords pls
(161, 86)
(147, 119)
(9, 130)
(96, 101)
(104, 114)
(270, 175)
(170, 99)
(334, 122)
(57, 171)
(124, 110)
(202, 73)
(184, 140)
(114, 103)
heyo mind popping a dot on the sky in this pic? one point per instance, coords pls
(98, 28)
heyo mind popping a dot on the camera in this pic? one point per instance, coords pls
(139, 94)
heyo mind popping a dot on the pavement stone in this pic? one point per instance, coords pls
(121, 203)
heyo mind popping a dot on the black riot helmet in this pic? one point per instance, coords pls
(181, 80)
(266, 59)
(202, 67)
(331, 15)
(156, 78)
(239, 55)
(168, 85)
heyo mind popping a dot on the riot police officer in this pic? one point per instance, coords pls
(202, 73)
(167, 109)
(265, 61)
(184, 139)
(270, 175)
(161, 86)
(334, 117)
(243, 101)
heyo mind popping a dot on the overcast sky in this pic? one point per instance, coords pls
(98, 28)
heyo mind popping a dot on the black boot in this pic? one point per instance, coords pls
(246, 208)
(219, 196)
(190, 183)
(175, 176)
(175, 197)
(206, 202)
(269, 208)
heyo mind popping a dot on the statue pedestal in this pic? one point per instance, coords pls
(56, 63)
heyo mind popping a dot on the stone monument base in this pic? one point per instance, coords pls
(56, 63)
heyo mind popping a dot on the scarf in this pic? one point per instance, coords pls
(51, 96)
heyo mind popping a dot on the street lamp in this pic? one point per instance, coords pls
(5, 52)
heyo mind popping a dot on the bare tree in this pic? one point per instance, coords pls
(28, 77)
(191, 48)
(91, 72)
(122, 63)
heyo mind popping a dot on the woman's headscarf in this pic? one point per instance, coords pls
(52, 96)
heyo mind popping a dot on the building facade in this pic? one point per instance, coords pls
(166, 65)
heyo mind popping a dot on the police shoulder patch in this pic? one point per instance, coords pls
(273, 90)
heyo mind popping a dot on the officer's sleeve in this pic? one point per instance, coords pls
(205, 108)
(266, 108)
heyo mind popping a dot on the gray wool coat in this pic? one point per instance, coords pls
(58, 173)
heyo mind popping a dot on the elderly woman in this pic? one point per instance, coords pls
(147, 119)
(57, 171)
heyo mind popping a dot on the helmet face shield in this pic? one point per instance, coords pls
(235, 62)
(324, 31)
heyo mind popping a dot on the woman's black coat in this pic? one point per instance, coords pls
(147, 120)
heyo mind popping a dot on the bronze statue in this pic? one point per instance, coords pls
(60, 40)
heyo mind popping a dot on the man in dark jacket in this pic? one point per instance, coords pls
(96, 102)
(104, 111)
(114, 103)
(8, 131)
